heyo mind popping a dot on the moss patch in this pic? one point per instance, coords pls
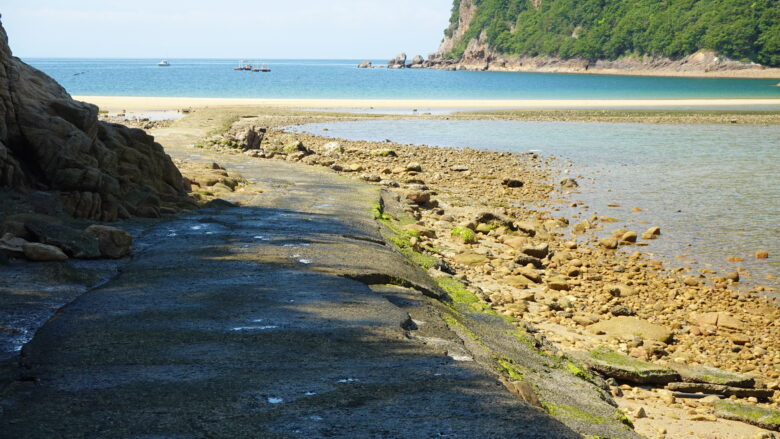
(613, 358)
(453, 323)
(507, 367)
(464, 234)
(755, 415)
(579, 373)
(457, 291)
(565, 411)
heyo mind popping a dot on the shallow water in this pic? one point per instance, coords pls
(713, 189)
(341, 79)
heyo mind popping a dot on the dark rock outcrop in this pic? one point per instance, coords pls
(50, 142)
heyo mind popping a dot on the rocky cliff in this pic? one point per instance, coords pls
(703, 36)
(50, 142)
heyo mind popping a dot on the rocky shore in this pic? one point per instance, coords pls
(487, 220)
(479, 57)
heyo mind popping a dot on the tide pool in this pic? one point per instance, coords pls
(713, 189)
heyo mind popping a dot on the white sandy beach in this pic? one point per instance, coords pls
(139, 104)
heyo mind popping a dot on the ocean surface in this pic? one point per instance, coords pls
(713, 189)
(341, 79)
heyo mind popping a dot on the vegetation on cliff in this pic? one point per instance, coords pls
(746, 30)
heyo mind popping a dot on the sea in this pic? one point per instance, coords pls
(331, 79)
(713, 189)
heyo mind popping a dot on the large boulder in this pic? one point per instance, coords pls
(399, 62)
(51, 142)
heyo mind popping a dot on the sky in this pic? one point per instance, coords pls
(267, 29)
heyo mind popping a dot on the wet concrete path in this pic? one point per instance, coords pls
(246, 322)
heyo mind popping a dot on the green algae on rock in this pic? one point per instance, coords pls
(754, 415)
(464, 234)
(622, 367)
(713, 375)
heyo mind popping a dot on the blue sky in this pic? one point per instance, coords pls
(225, 28)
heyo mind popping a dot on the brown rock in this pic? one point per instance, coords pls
(418, 197)
(470, 259)
(113, 243)
(518, 281)
(620, 290)
(413, 167)
(609, 243)
(530, 273)
(719, 319)
(717, 389)
(762, 254)
(629, 327)
(539, 251)
(511, 182)
(38, 252)
(691, 281)
(558, 283)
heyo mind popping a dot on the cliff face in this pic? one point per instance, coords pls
(50, 142)
(700, 34)
(462, 14)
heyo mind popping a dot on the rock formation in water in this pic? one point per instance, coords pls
(50, 142)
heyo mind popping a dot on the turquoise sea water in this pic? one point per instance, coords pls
(713, 189)
(341, 79)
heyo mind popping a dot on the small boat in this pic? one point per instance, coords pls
(243, 66)
(264, 68)
(163, 63)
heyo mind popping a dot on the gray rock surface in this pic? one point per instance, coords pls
(257, 321)
(49, 141)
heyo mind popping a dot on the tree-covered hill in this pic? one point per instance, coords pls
(745, 30)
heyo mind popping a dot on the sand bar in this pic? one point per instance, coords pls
(135, 103)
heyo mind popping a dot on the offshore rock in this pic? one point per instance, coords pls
(48, 141)
(399, 62)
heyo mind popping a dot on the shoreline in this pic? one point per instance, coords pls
(152, 103)
(573, 294)
(747, 73)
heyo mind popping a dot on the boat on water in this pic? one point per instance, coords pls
(244, 66)
(247, 67)
(163, 63)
